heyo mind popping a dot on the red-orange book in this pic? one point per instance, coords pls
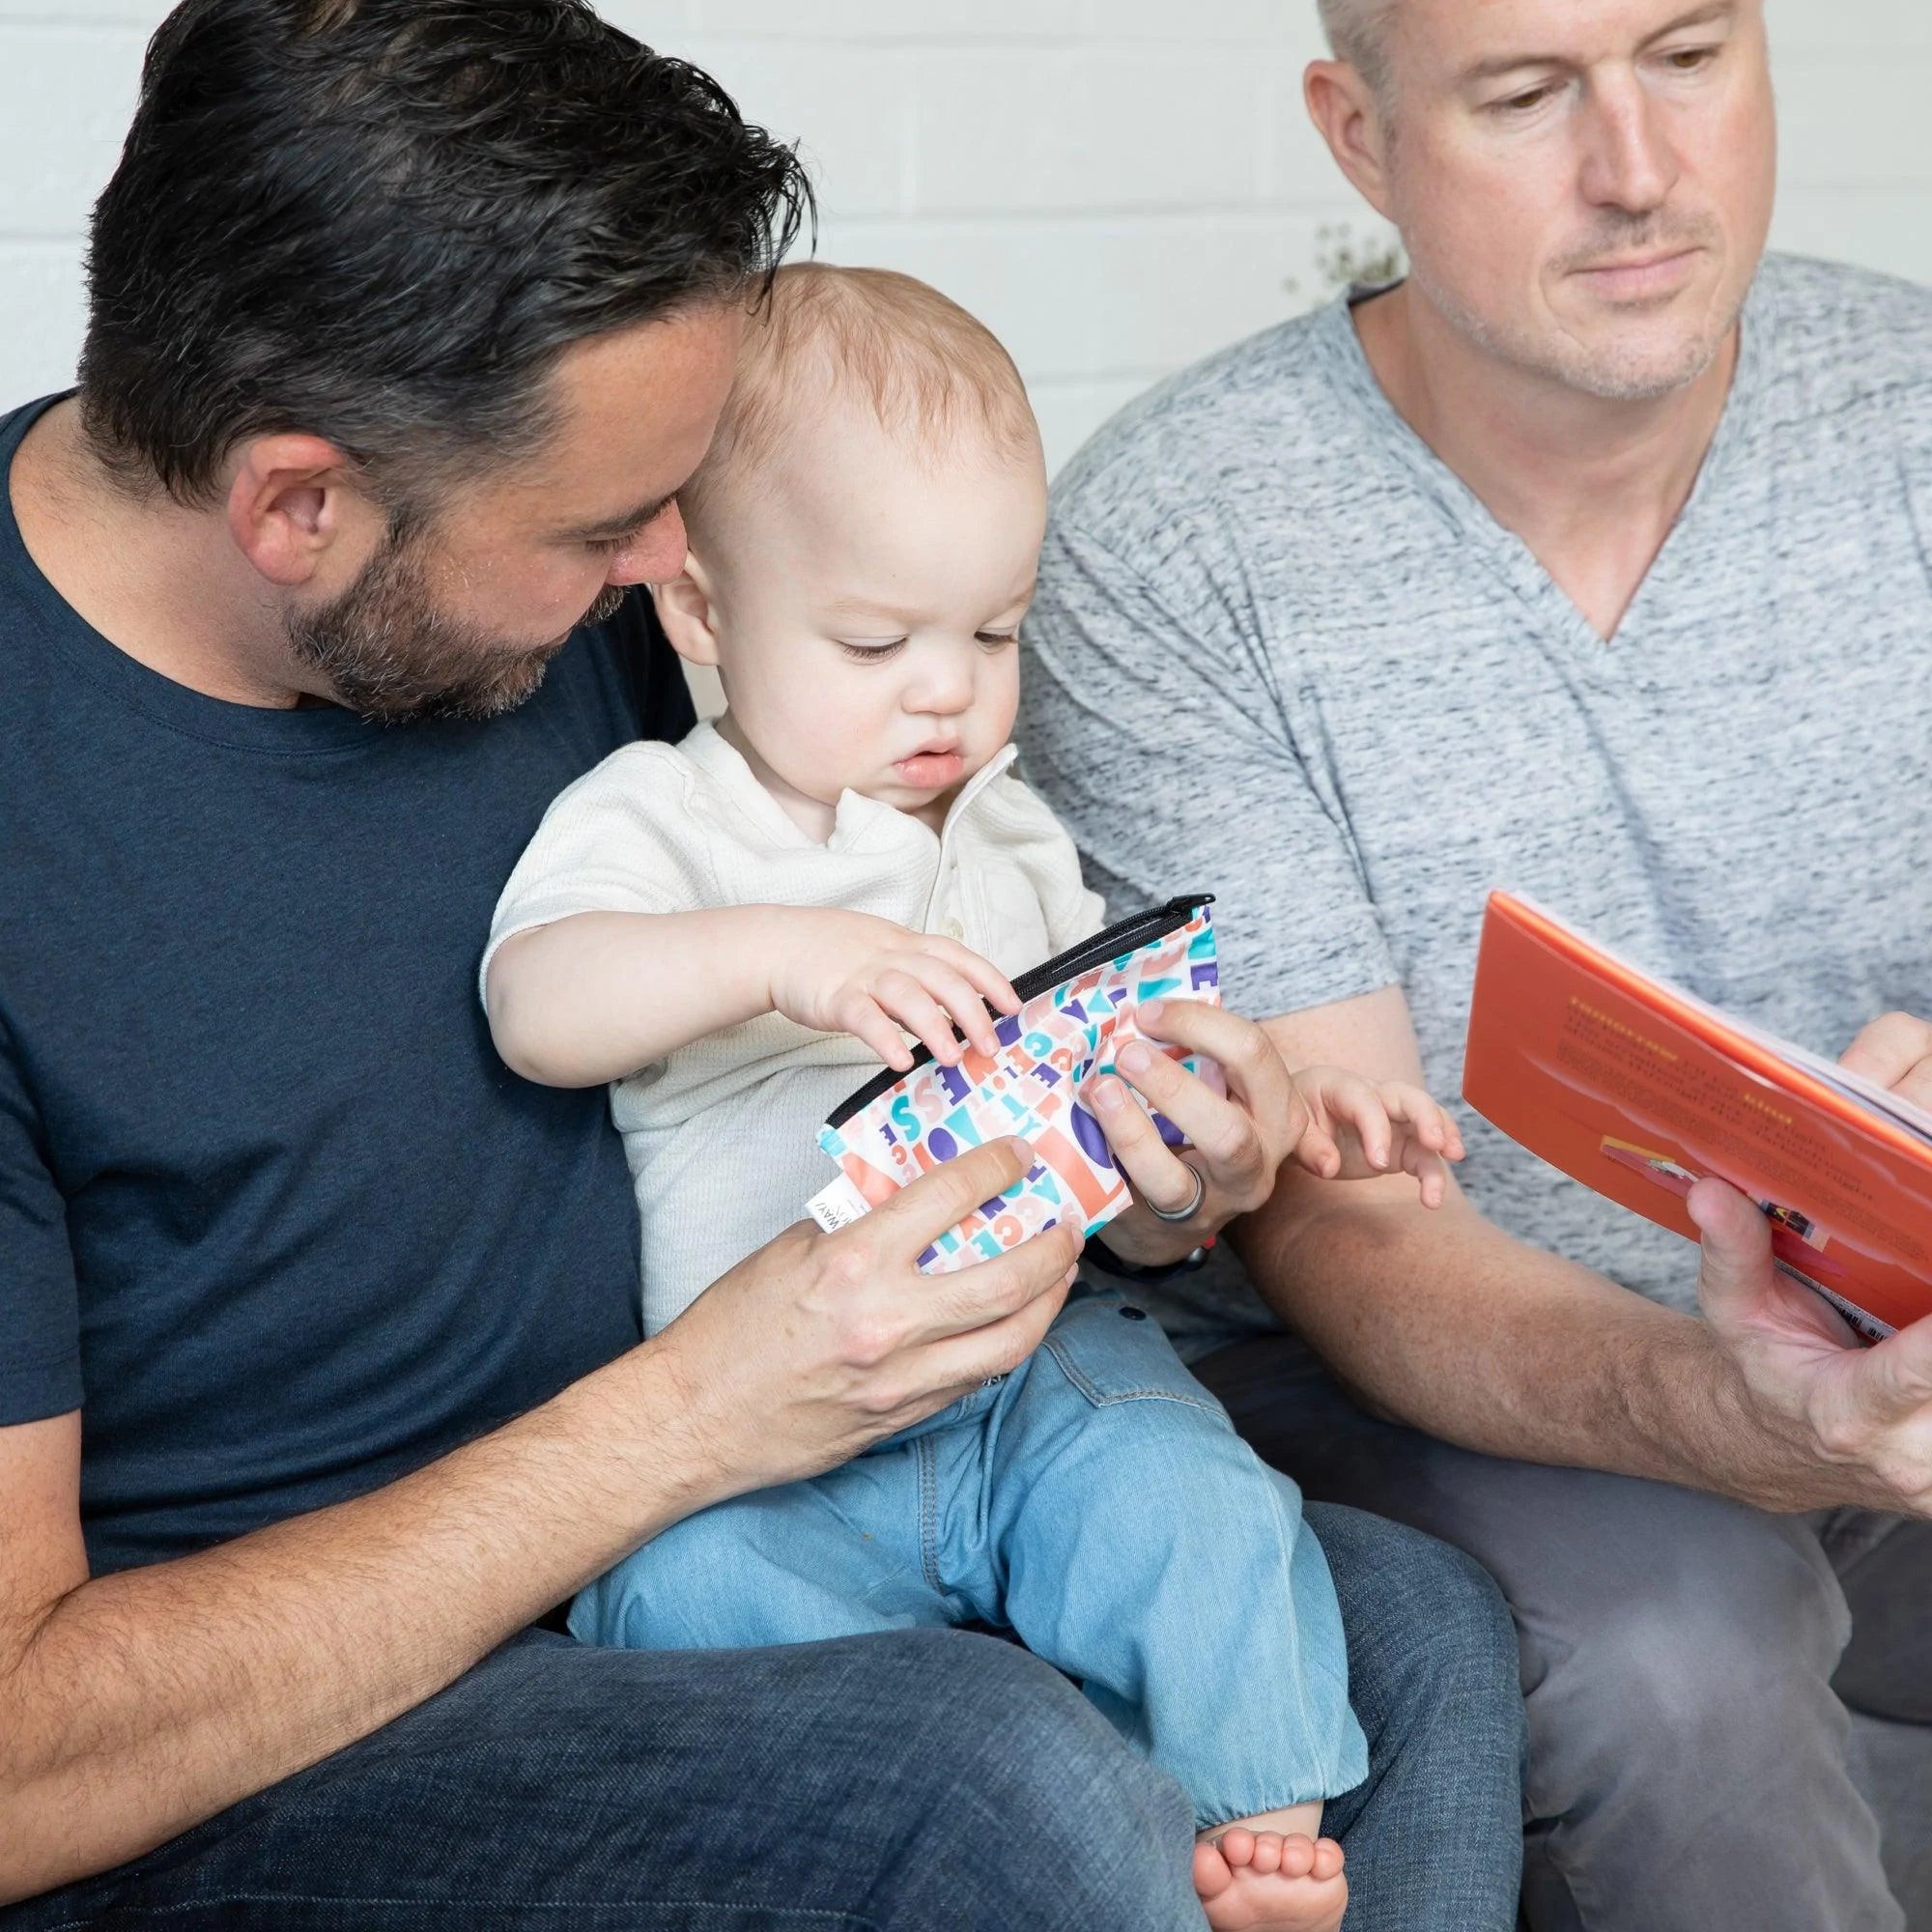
(1638, 1090)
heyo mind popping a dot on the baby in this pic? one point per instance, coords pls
(737, 931)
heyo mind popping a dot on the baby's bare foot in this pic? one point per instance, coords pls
(1268, 1882)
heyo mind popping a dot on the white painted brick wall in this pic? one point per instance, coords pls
(1117, 186)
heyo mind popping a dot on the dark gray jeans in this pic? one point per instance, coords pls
(1688, 1749)
(916, 1781)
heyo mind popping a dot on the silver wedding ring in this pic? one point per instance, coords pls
(1193, 1207)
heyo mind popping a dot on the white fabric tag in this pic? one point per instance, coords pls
(837, 1206)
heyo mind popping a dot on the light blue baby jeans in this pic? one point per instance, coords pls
(1097, 1503)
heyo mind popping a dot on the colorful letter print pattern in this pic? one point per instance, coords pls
(1049, 1051)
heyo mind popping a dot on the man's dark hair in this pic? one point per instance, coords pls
(380, 221)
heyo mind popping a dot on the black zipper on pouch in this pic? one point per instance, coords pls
(1125, 935)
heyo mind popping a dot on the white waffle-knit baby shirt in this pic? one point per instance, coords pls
(722, 1135)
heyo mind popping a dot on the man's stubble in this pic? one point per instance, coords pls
(1612, 370)
(389, 653)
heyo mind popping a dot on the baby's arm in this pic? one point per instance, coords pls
(597, 995)
(1355, 1129)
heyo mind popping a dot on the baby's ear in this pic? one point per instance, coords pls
(685, 611)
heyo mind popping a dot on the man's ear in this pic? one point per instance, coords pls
(685, 611)
(291, 500)
(1347, 116)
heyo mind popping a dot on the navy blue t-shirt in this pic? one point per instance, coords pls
(273, 1213)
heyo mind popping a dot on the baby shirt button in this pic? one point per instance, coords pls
(1129, 1313)
(953, 928)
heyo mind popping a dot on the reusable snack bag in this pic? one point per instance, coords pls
(1077, 1014)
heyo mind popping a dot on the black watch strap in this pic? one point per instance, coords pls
(1098, 1254)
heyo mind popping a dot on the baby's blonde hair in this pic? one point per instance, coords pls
(926, 368)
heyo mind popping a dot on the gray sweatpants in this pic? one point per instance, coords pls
(1688, 1749)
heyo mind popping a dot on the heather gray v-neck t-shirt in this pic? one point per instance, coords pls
(1281, 653)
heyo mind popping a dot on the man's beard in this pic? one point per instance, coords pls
(388, 653)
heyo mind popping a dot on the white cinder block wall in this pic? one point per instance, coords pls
(1117, 186)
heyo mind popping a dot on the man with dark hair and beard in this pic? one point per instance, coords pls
(320, 1373)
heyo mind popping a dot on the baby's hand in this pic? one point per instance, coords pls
(847, 972)
(1360, 1128)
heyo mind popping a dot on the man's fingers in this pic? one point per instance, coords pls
(1897, 1375)
(1249, 1058)
(1739, 1284)
(1916, 1086)
(1153, 1170)
(1736, 1268)
(1889, 1048)
(922, 1210)
(963, 1361)
(1221, 1129)
(1122, 1119)
(1895, 1051)
(989, 1292)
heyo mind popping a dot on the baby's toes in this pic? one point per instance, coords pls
(1237, 1846)
(1297, 1855)
(1328, 1862)
(1212, 1875)
(1267, 1853)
